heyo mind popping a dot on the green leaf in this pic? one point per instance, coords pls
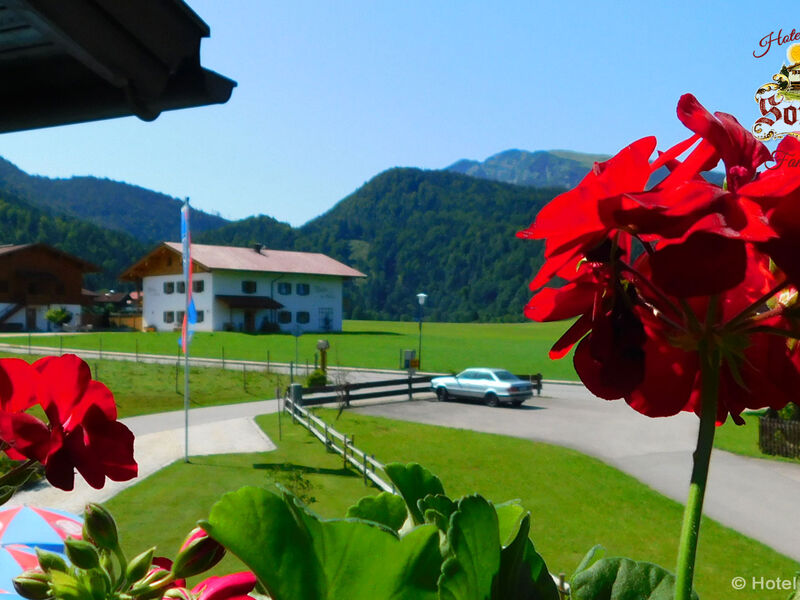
(594, 554)
(473, 548)
(297, 556)
(437, 509)
(414, 482)
(509, 516)
(523, 574)
(385, 508)
(624, 579)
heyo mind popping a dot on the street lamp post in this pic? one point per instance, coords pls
(421, 299)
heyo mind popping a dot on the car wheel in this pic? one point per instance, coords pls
(517, 403)
(491, 400)
(442, 394)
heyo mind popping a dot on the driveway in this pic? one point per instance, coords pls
(754, 496)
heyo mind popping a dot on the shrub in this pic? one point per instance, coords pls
(317, 378)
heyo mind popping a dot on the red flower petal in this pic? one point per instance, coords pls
(703, 265)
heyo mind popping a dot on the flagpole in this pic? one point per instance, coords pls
(187, 267)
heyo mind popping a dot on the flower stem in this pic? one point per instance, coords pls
(687, 550)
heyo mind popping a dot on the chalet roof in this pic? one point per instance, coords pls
(85, 266)
(233, 258)
(85, 60)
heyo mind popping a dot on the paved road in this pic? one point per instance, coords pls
(754, 496)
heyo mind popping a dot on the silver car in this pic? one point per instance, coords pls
(493, 386)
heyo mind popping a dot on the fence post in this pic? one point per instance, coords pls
(364, 455)
(327, 442)
(315, 361)
(538, 383)
(267, 361)
(223, 357)
(307, 371)
(177, 363)
(344, 452)
(291, 372)
(297, 394)
(244, 377)
(280, 410)
(410, 396)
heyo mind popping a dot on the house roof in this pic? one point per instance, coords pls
(234, 258)
(85, 266)
(85, 60)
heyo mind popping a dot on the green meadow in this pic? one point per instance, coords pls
(576, 501)
(446, 347)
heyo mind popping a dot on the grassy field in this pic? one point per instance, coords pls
(143, 388)
(519, 347)
(576, 501)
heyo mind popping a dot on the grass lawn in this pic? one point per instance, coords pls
(744, 439)
(519, 347)
(576, 501)
(144, 388)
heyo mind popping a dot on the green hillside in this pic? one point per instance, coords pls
(142, 213)
(21, 223)
(445, 234)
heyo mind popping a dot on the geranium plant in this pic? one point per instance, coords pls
(684, 292)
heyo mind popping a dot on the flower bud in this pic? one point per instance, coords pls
(66, 587)
(50, 561)
(178, 593)
(99, 526)
(198, 553)
(81, 553)
(97, 584)
(34, 585)
(140, 565)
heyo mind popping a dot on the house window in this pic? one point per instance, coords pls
(284, 288)
(198, 286)
(284, 316)
(179, 316)
(169, 316)
(169, 287)
(201, 315)
(181, 287)
(303, 316)
(249, 287)
(303, 289)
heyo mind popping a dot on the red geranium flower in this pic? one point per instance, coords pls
(228, 587)
(83, 432)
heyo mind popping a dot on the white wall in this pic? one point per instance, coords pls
(324, 293)
(42, 323)
(156, 302)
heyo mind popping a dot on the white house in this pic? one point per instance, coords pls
(242, 289)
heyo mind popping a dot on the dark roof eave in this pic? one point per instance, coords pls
(96, 104)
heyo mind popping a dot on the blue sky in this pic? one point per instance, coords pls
(332, 93)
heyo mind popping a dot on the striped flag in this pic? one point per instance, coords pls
(190, 314)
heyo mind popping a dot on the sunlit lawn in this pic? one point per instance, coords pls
(144, 388)
(576, 501)
(519, 347)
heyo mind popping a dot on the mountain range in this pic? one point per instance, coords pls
(449, 233)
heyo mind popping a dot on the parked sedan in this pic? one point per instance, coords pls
(493, 386)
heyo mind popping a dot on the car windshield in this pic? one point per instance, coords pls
(503, 375)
